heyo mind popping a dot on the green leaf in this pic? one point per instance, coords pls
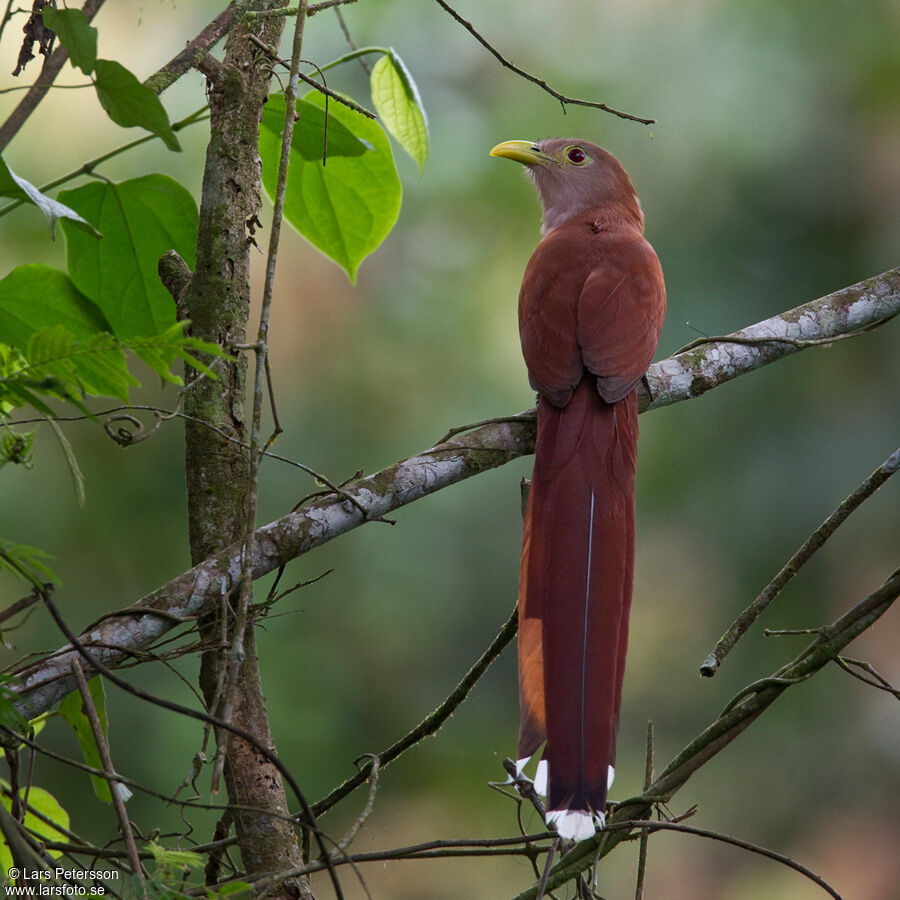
(74, 33)
(347, 207)
(233, 887)
(34, 296)
(140, 219)
(128, 102)
(172, 864)
(95, 365)
(397, 101)
(11, 185)
(159, 351)
(26, 562)
(72, 710)
(42, 802)
(309, 130)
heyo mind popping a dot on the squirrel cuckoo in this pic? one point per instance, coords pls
(591, 309)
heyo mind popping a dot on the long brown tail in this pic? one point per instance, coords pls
(575, 597)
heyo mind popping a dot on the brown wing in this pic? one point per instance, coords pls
(620, 315)
(548, 309)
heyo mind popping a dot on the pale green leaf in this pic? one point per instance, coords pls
(42, 802)
(72, 710)
(397, 101)
(346, 207)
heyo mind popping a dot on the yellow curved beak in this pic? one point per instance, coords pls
(526, 152)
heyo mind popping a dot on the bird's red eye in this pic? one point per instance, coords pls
(576, 155)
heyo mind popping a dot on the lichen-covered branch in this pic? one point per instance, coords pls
(695, 371)
(680, 377)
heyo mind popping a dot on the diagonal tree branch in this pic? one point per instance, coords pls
(681, 377)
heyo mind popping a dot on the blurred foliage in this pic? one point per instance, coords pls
(770, 178)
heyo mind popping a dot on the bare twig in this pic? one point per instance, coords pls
(51, 68)
(340, 98)
(194, 52)
(813, 543)
(431, 723)
(876, 681)
(353, 830)
(564, 100)
(115, 783)
(95, 663)
(346, 32)
(645, 832)
(651, 825)
(542, 884)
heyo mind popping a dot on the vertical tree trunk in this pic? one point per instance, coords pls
(217, 301)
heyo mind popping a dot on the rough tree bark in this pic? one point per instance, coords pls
(217, 301)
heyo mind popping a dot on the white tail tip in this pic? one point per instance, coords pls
(574, 825)
(540, 778)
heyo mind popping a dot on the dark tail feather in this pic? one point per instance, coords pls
(575, 597)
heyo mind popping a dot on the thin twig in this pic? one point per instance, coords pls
(645, 832)
(346, 32)
(88, 167)
(564, 100)
(431, 723)
(194, 52)
(353, 830)
(813, 543)
(652, 825)
(264, 751)
(723, 730)
(877, 680)
(755, 341)
(340, 98)
(459, 429)
(542, 884)
(289, 11)
(511, 846)
(87, 703)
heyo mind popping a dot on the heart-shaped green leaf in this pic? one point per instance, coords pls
(140, 220)
(397, 101)
(347, 206)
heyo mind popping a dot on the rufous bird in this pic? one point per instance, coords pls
(591, 309)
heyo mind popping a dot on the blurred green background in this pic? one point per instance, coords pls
(771, 177)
